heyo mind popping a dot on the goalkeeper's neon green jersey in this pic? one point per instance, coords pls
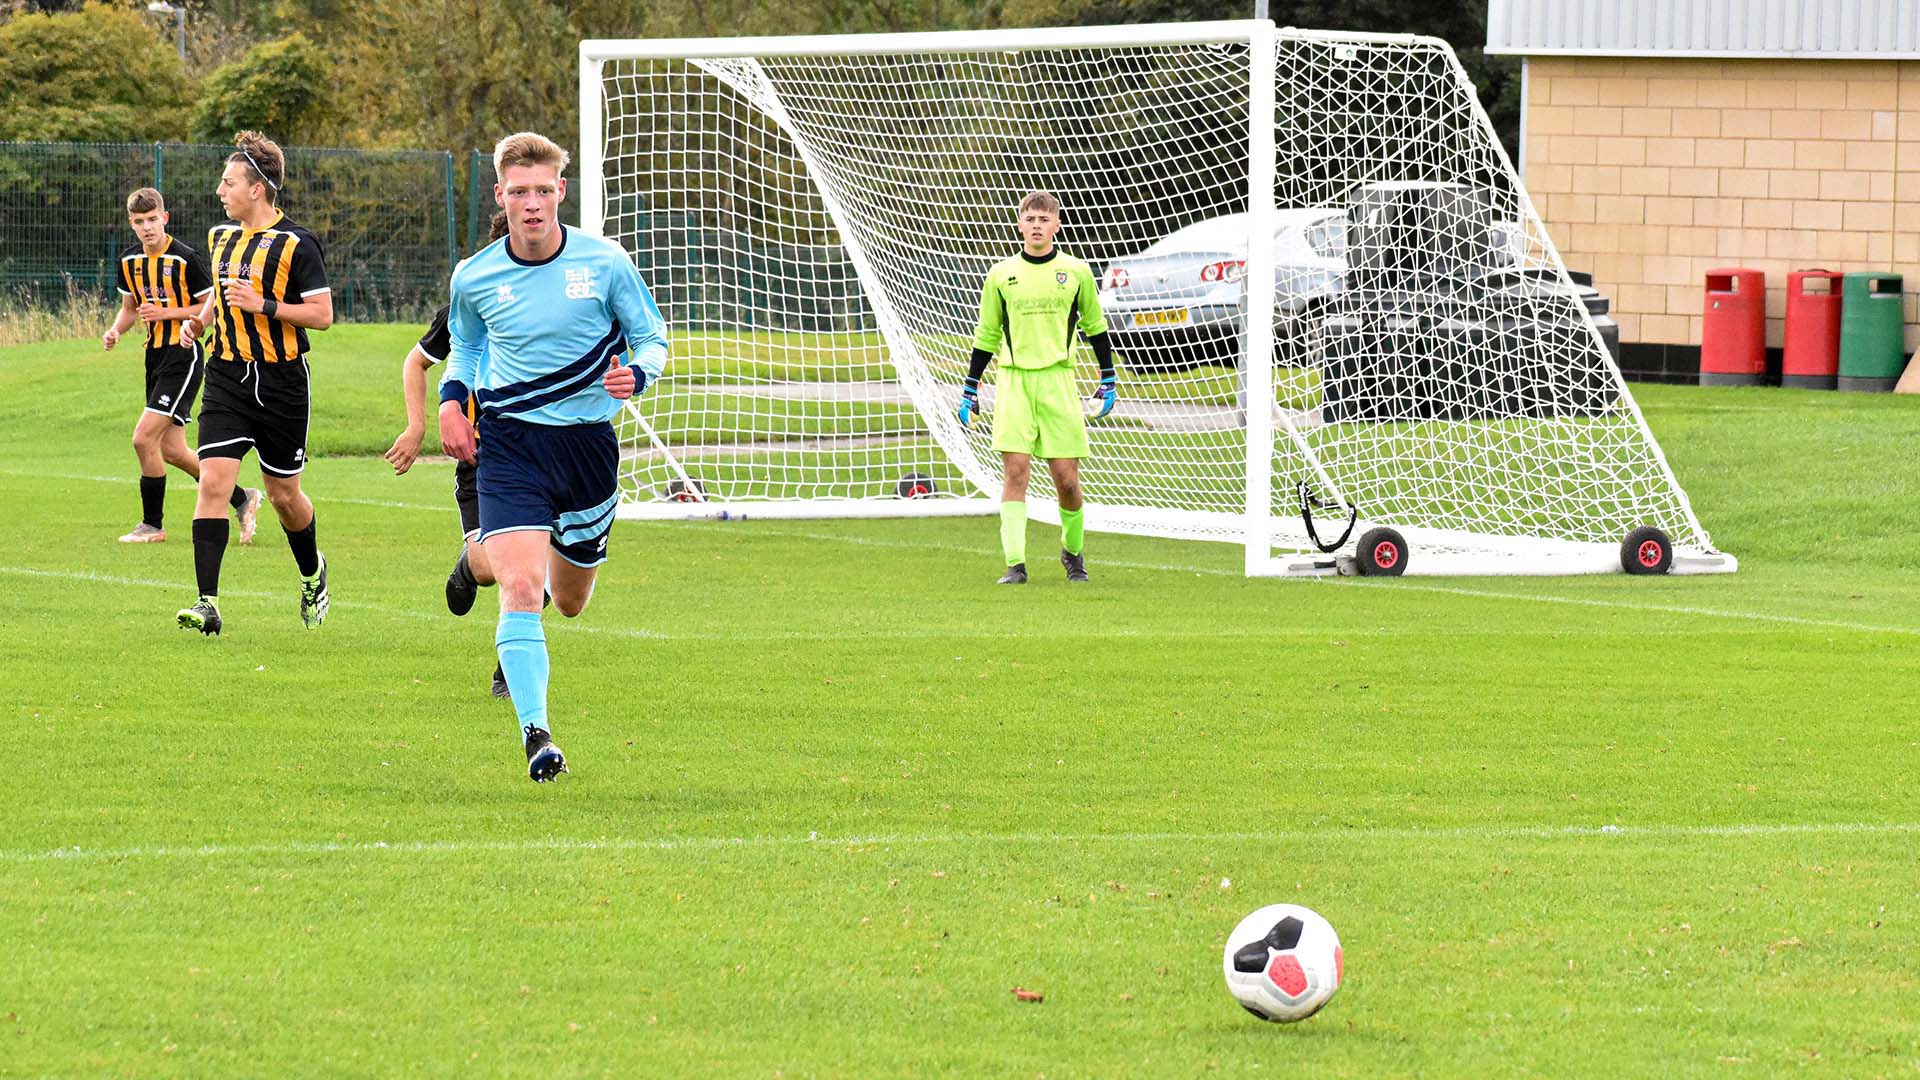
(1033, 306)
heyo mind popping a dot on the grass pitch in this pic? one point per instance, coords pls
(835, 795)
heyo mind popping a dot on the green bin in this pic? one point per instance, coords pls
(1872, 324)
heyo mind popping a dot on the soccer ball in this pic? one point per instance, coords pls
(1282, 962)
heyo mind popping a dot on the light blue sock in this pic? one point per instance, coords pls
(522, 645)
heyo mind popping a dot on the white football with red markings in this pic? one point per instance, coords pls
(1283, 962)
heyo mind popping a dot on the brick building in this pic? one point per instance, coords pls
(1661, 138)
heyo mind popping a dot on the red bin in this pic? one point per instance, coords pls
(1812, 355)
(1733, 338)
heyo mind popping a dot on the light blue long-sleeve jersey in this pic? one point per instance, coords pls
(533, 340)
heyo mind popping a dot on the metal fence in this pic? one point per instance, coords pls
(386, 218)
(392, 224)
(705, 277)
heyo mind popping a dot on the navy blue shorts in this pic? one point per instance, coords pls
(562, 480)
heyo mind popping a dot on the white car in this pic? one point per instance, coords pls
(1182, 301)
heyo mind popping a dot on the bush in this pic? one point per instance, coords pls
(100, 74)
(282, 88)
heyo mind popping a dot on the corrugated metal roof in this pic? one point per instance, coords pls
(1816, 29)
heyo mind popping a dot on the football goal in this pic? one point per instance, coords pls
(1346, 341)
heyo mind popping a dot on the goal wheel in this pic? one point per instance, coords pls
(915, 485)
(1382, 552)
(1646, 550)
(680, 491)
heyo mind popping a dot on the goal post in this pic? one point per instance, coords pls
(1257, 371)
(1334, 305)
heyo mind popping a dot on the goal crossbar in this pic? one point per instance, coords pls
(1229, 31)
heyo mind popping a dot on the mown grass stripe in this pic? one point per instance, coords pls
(712, 843)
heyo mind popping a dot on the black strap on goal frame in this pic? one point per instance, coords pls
(1308, 502)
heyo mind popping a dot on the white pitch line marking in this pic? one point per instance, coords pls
(720, 843)
(1488, 594)
(964, 549)
(1665, 609)
(1383, 583)
(1319, 633)
(92, 577)
(383, 503)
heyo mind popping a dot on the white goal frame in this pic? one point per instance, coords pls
(1274, 544)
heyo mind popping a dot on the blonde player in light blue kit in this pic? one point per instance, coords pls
(551, 330)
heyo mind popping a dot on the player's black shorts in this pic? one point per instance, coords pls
(173, 378)
(466, 495)
(263, 407)
(560, 480)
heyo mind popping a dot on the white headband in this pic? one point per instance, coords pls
(257, 169)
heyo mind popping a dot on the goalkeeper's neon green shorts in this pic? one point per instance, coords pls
(1037, 411)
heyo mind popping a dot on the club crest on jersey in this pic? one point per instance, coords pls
(504, 295)
(1060, 278)
(580, 284)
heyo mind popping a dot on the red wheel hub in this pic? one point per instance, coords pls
(1386, 553)
(1650, 553)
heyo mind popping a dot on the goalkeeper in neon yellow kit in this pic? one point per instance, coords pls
(1030, 306)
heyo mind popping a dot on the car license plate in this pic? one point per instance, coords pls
(1172, 317)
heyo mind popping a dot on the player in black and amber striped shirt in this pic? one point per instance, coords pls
(278, 261)
(161, 282)
(270, 288)
(169, 278)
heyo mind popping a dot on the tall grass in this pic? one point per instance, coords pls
(31, 318)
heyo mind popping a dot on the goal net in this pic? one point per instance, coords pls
(1333, 304)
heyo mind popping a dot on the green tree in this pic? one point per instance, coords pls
(283, 88)
(100, 74)
(1462, 25)
(461, 73)
(456, 74)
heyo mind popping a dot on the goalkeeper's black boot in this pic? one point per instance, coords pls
(1076, 565)
(544, 760)
(202, 616)
(1015, 575)
(500, 683)
(461, 588)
